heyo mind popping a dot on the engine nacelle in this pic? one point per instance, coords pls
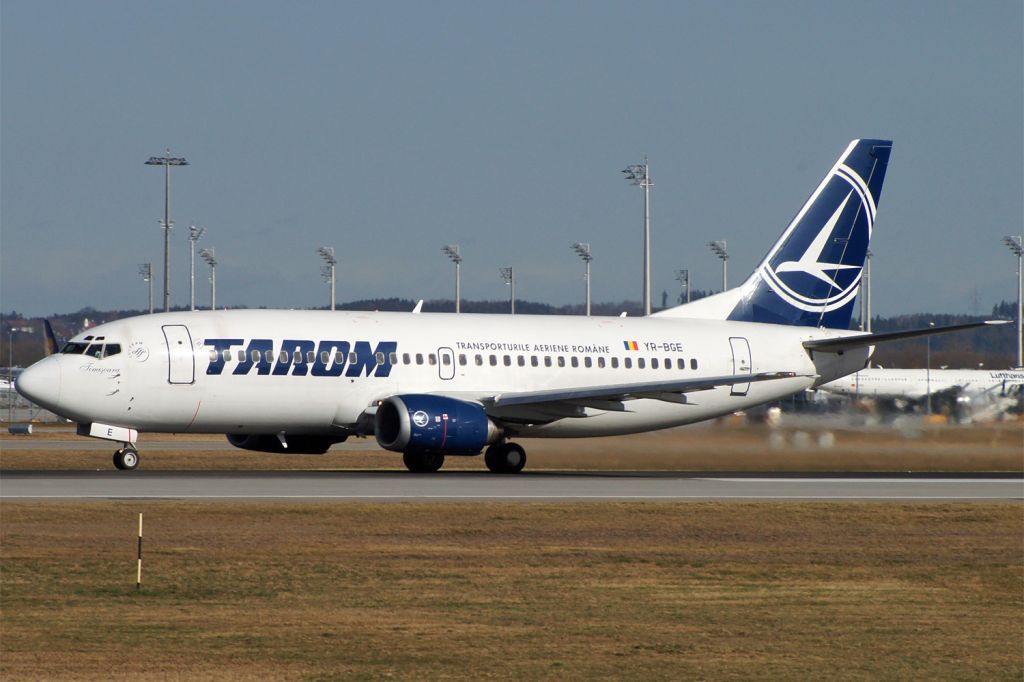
(431, 423)
(297, 445)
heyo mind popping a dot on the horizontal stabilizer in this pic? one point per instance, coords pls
(862, 340)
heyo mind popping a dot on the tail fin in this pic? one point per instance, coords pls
(50, 344)
(812, 274)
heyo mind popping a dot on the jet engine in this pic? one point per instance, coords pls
(297, 445)
(430, 423)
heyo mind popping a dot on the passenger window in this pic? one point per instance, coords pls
(521, 361)
(269, 355)
(462, 360)
(574, 361)
(479, 359)
(111, 349)
(353, 358)
(587, 362)
(226, 354)
(693, 363)
(379, 357)
(432, 359)
(547, 360)
(494, 360)
(628, 363)
(241, 355)
(310, 357)
(283, 357)
(641, 363)
(325, 357)
(615, 363)
(668, 363)
(600, 363)
(446, 360)
(297, 357)
(419, 358)
(654, 363)
(394, 358)
(507, 360)
(406, 360)
(561, 361)
(533, 361)
(681, 363)
(256, 356)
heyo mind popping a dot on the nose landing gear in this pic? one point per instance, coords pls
(127, 458)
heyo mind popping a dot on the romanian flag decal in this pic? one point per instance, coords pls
(630, 345)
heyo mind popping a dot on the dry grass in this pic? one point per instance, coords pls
(727, 445)
(641, 591)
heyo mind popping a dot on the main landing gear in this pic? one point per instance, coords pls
(505, 458)
(127, 458)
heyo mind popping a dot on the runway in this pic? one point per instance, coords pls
(387, 486)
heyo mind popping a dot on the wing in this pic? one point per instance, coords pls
(542, 406)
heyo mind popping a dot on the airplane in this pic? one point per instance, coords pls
(437, 385)
(914, 385)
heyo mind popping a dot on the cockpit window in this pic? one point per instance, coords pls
(96, 350)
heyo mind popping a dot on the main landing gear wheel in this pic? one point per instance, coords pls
(126, 459)
(505, 458)
(423, 462)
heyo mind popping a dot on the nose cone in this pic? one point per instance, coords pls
(40, 383)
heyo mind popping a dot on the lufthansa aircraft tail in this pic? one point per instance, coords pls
(812, 274)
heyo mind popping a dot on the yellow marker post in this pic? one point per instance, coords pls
(138, 573)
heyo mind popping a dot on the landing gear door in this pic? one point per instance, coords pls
(181, 361)
(446, 363)
(740, 362)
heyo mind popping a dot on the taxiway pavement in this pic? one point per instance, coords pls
(396, 486)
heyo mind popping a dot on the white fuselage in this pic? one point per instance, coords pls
(315, 372)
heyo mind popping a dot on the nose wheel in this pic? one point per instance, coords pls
(127, 458)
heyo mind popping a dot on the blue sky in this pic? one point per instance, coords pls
(390, 129)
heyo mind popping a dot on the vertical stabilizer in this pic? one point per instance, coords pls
(812, 275)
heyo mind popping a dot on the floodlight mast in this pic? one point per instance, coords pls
(167, 161)
(509, 276)
(583, 251)
(11, 393)
(452, 251)
(194, 234)
(146, 270)
(683, 277)
(640, 174)
(209, 256)
(1016, 244)
(720, 249)
(328, 271)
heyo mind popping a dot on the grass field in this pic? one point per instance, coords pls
(725, 445)
(512, 591)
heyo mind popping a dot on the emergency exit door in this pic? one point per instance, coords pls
(741, 363)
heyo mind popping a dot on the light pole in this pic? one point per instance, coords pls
(640, 174)
(928, 372)
(583, 251)
(209, 256)
(167, 161)
(452, 251)
(1016, 244)
(327, 271)
(194, 233)
(10, 368)
(720, 249)
(146, 270)
(865, 300)
(510, 278)
(683, 277)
